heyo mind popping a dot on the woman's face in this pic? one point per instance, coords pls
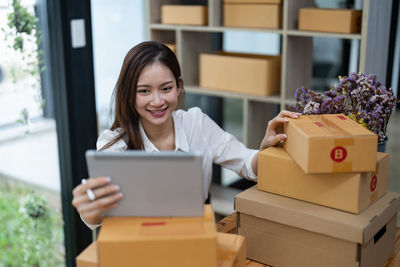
(156, 95)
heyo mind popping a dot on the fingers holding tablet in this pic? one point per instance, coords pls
(94, 196)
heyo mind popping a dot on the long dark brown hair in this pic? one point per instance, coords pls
(124, 94)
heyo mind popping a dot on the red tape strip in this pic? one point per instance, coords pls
(153, 223)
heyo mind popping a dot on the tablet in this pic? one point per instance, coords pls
(153, 184)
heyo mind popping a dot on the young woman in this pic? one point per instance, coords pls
(147, 94)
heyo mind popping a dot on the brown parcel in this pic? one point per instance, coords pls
(172, 47)
(151, 241)
(241, 73)
(88, 257)
(330, 20)
(267, 16)
(184, 14)
(231, 252)
(281, 231)
(330, 143)
(278, 173)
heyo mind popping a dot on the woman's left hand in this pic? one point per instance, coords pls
(274, 133)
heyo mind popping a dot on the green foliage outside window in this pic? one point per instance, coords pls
(30, 231)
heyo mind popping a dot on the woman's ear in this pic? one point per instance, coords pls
(180, 85)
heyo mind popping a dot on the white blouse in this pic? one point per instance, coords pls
(195, 131)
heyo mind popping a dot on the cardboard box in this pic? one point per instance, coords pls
(231, 252)
(278, 173)
(241, 73)
(88, 257)
(281, 231)
(150, 241)
(184, 14)
(320, 19)
(172, 47)
(330, 143)
(267, 16)
(253, 1)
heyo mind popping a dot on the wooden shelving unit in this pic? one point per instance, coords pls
(296, 53)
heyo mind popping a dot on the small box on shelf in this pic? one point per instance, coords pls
(184, 14)
(253, 14)
(330, 20)
(241, 73)
(171, 46)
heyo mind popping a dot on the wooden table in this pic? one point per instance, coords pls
(228, 225)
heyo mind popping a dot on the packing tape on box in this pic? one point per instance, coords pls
(342, 167)
(373, 197)
(328, 126)
(339, 153)
(373, 186)
(177, 228)
(343, 141)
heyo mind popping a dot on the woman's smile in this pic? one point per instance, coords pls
(158, 113)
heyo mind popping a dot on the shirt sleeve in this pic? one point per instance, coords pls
(91, 226)
(227, 150)
(109, 135)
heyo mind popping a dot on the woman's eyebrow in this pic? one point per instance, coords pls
(145, 85)
(166, 83)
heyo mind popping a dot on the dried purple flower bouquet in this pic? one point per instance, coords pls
(360, 96)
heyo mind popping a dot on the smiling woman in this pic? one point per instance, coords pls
(147, 95)
(138, 81)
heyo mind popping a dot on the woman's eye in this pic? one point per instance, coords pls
(142, 91)
(166, 89)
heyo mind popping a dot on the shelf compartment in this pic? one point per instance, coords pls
(192, 44)
(166, 37)
(298, 64)
(233, 117)
(256, 117)
(154, 9)
(273, 99)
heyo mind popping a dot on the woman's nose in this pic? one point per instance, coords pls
(157, 99)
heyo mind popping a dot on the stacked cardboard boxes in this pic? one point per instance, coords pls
(321, 198)
(167, 241)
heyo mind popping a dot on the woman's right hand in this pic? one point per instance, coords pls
(106, 197)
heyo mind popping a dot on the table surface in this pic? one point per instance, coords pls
(228, 225)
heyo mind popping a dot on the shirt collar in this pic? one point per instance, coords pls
(181, 142)
(148, 145)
